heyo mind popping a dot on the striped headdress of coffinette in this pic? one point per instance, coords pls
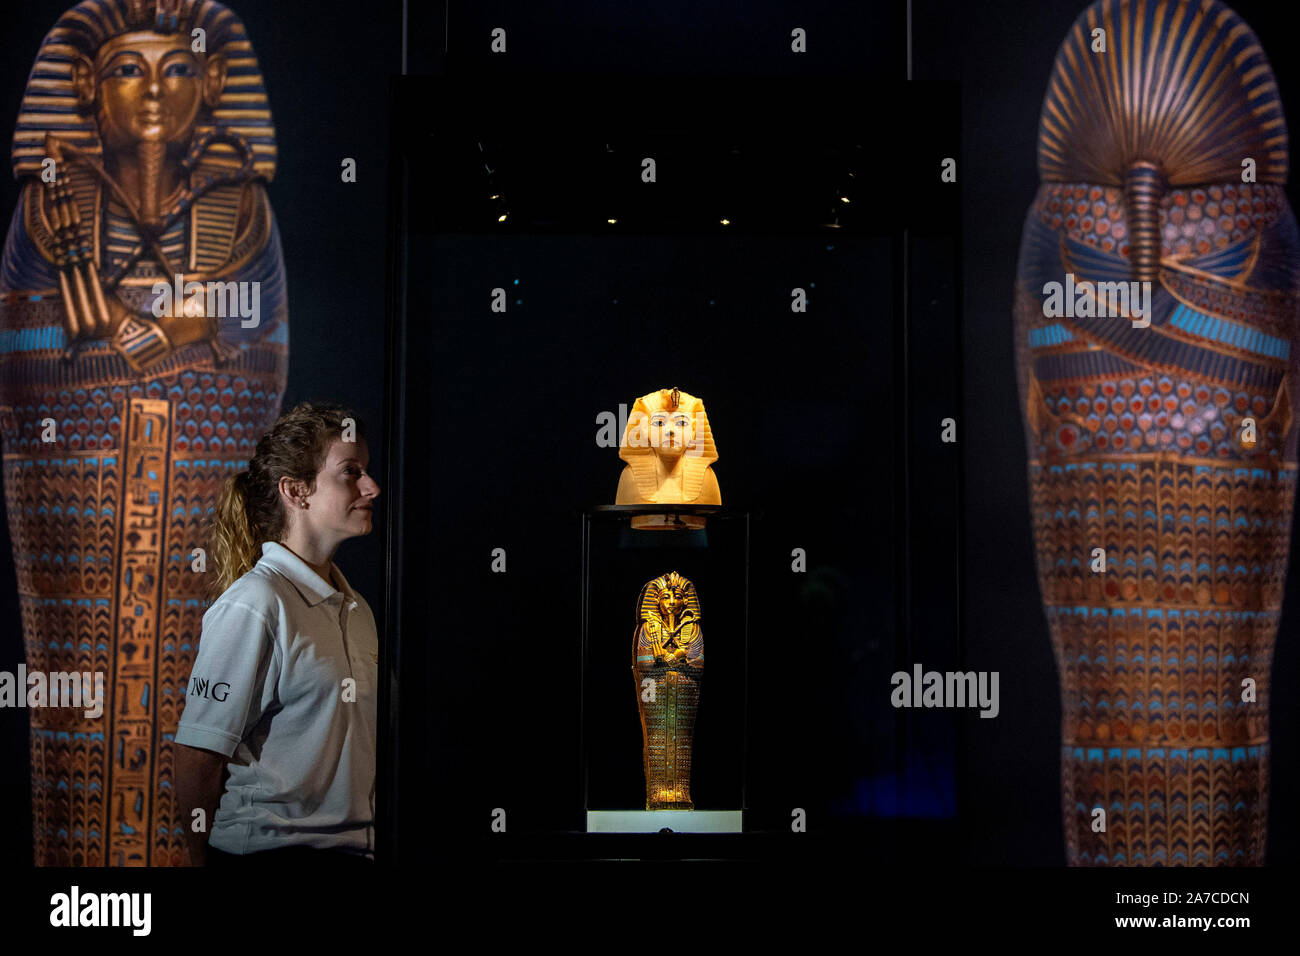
(648, 603)
(1181, 95)
(50, 102)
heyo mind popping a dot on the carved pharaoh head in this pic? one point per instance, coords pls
(671, 426)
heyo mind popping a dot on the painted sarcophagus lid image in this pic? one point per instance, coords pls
(1155, 330)
(143, 351)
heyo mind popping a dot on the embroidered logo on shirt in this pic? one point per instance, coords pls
(200, 687)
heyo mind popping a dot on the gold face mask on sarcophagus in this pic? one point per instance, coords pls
(668, 446)
(142, 313)
(668, 664)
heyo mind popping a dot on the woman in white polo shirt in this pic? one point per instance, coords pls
(282, 696)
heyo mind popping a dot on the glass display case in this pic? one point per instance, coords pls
(664, 732)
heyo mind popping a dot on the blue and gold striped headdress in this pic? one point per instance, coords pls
(648, 602)
(50, 102)
(1178, 94)
(1182, 82)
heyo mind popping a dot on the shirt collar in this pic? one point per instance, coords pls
(309, 584)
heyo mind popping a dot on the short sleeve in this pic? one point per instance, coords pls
(231, 679)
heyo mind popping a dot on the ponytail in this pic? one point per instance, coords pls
(235, 548)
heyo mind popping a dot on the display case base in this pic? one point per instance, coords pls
(652, 821)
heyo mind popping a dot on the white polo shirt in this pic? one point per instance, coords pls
(268, 690)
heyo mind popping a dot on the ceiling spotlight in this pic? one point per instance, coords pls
(611, 221)
(500, 207)
(844, 199)
(726, 222)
